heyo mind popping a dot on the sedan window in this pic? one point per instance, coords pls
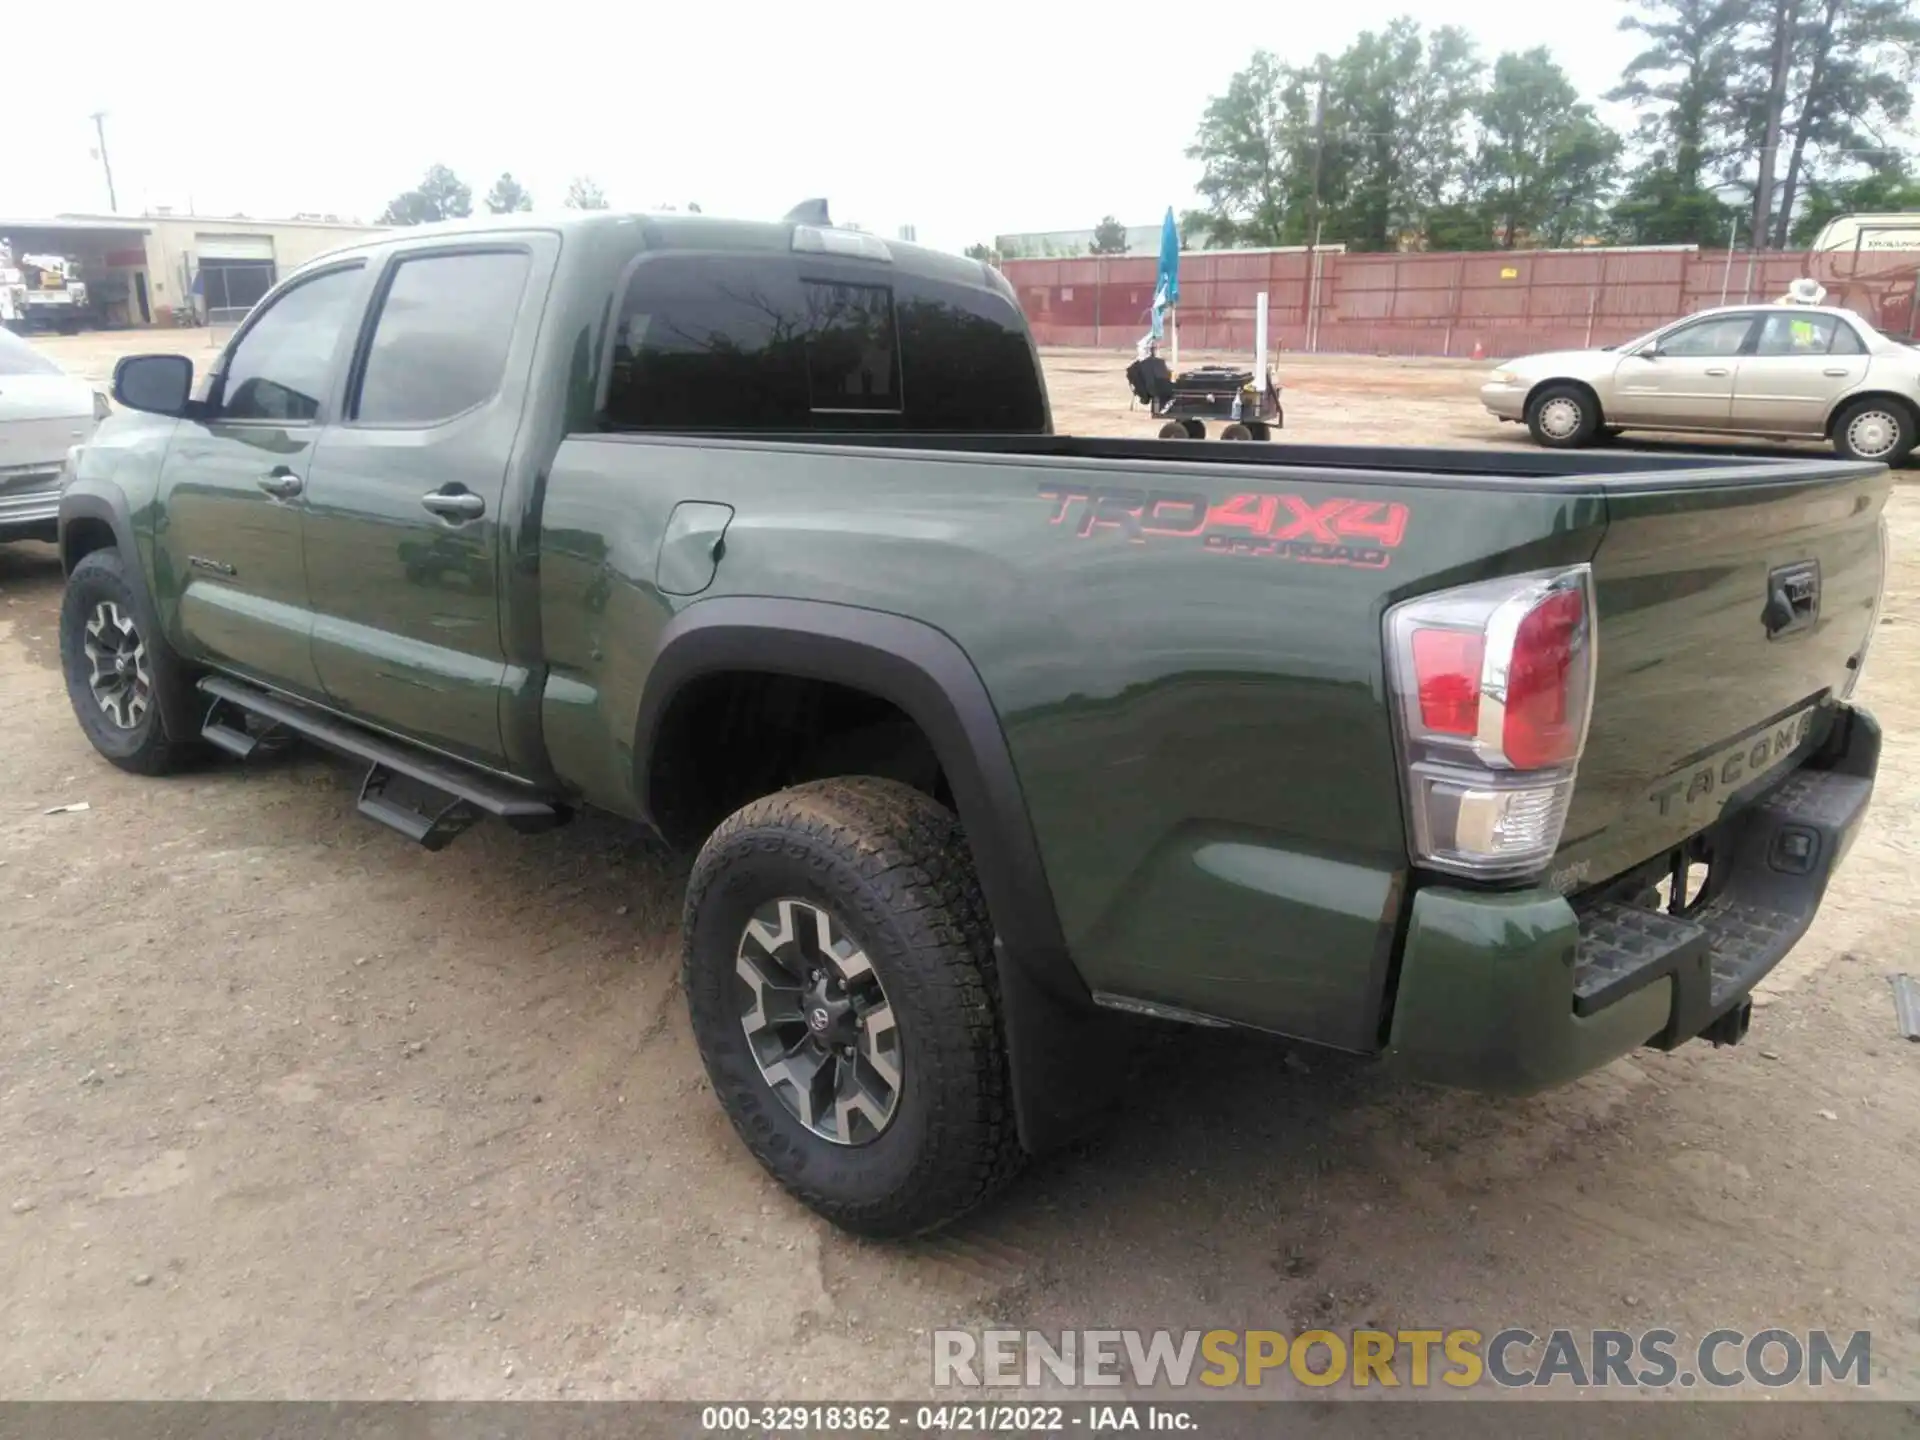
(1787, 335)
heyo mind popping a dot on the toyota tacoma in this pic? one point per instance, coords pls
(989, 741)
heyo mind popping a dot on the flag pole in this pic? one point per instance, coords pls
(1173, 332)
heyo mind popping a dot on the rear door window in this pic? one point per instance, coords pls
(710, 345)
(1790, 335)
(440, 343)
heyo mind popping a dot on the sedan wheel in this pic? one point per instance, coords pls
(1560, 417)
(1872, 434)
(1563, 416)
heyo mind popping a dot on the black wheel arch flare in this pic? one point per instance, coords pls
(925, 673)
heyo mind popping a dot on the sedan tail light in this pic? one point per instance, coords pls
(1494, 689)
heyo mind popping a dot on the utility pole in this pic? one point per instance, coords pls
(99, 118)
(1312, 283)
(1783, 22)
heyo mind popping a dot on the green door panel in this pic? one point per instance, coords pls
(405, 495)
(234, 551)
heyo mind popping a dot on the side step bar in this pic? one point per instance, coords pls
(426, 798)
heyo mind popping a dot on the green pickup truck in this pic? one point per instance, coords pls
(990, 741)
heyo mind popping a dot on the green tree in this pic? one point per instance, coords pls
(584, 193)
(982, 252)
(508, 195)
(1377, 132)
(1680, 83)
(1254, 150)
(1109, 237)
(1398, 103)
(440, 195)
(1848, 89)
(1546, 166)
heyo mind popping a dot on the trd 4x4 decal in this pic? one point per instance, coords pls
(1362, 533)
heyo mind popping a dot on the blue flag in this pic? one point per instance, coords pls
(1166, 289)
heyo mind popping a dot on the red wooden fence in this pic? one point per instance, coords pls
(1503, 302)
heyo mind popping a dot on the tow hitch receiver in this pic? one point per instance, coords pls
(1731, 1028)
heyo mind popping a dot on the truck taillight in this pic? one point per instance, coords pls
(1495, 688)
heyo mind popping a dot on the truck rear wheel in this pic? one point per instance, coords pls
(839, 971)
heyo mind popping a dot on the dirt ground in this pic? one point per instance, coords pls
(289, 1107)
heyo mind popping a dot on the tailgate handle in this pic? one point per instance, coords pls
(1793, 599)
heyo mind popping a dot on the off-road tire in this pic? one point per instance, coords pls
(1896, 415)
(1547, 404)
(145, 748)
(892, 866)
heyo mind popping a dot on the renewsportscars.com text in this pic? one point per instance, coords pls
(1511, 1358)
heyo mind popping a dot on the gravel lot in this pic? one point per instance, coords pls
(291, 1108)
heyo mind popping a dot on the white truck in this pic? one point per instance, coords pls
(41, 292)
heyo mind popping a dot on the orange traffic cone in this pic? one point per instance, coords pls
(1479, 351)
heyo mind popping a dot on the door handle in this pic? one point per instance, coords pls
(455, 504)
(1718, 370)
(281, 483)
(1836, 373)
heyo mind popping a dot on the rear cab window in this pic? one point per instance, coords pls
(722, 343)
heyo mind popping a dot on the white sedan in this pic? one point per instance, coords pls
(44, 412)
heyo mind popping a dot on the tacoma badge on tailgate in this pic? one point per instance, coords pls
(1736, 764)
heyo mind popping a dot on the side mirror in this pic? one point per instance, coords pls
(1648, 352)
(158, 384)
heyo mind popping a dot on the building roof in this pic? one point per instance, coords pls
(115, 225)
(146, 222)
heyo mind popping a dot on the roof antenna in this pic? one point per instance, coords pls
(810, 212)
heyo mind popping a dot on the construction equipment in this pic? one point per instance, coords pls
(41, 292)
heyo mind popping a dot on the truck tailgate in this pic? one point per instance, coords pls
(1731, 613)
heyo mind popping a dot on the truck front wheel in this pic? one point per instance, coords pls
(117, 670)
(839, 971)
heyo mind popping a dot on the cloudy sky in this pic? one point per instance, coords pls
(964, 119)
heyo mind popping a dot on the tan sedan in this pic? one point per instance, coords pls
(1787, 371)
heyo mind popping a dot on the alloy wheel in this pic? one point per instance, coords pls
(121, 683)
(818, 1022)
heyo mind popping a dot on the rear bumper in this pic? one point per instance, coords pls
(1519, 992)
